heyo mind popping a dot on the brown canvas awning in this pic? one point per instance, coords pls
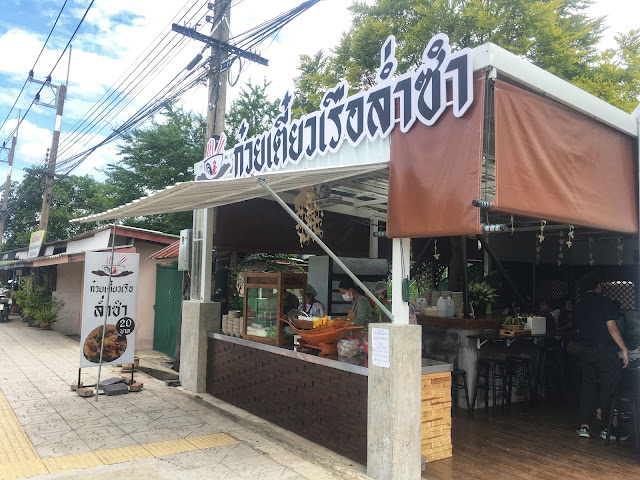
(435, 174)
(556, 164)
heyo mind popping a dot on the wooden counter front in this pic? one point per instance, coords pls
(459, 323)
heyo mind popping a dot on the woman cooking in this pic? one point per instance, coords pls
(360, 312)
(314, 306)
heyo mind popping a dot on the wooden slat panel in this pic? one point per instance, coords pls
(325, 405)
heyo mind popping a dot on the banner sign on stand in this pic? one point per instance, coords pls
(120, 336)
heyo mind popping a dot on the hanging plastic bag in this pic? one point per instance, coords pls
(348, 347)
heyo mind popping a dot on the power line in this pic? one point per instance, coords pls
(34, 63)
(57, 61)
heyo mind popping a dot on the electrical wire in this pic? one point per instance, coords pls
(54, 67)
(175, 88)
(34, 63)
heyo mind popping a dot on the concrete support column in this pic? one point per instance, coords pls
(394, 401)
(400, 267)
(198, 319)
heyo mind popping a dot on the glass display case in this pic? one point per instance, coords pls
(268, 297)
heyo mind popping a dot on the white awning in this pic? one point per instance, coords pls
(214, 193)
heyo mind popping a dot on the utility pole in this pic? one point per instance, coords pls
(7, 185)
(217, 103)
(53, 154)
(204, 220)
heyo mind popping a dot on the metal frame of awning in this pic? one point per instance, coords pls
(353, 188)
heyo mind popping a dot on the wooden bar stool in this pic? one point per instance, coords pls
(459, 382)
(492, 371)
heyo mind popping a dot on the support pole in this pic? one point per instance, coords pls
(465, 278)
(7, 185)
(400, 262)
(636, 113)
(53, 155)
(373, 240)
(420, 258)
(204, 220)
(106, 310)
(504, 273)
(262, 182)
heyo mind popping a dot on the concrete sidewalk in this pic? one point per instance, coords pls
(47, 431)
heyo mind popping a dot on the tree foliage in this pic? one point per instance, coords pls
(556, 35)
(254, 106)
(153, 158)
(317, 73)
(72, 197)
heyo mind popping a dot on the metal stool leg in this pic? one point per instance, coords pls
(493, 386)
(466, 391)
(475, 387)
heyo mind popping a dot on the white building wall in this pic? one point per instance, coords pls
(69, 286)
(69, 289)
(146, 294)
(96, 242)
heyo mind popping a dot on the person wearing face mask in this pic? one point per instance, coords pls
(360, 312)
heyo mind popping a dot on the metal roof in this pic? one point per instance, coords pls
(170, 251)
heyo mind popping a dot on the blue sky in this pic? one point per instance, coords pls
(113, 35)
(117, 31)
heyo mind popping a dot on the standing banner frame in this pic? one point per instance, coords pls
(109, 311)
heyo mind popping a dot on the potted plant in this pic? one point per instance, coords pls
(28, 317)
(46, 317)
(481, 294)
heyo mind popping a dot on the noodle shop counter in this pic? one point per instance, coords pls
(323, 399)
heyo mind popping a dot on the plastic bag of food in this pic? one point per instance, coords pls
(348, 347)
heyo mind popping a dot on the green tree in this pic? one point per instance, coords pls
(317, 73)
(72, 197)
(254, 106)
(615, 76)
(153, 158)
(556, 35)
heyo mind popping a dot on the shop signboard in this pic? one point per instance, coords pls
(35, 244)
(120, 333)
(403, 99)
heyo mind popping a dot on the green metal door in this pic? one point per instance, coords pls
(168, 309)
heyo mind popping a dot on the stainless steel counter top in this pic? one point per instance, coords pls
(356, 365)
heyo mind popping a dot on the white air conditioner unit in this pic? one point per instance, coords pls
(184, 253)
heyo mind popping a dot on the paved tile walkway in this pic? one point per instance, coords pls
(165, 432)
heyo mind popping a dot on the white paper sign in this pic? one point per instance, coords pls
(120, 337)
(380, 347)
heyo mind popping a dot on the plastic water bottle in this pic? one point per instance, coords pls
(441, 307)
(449, 307)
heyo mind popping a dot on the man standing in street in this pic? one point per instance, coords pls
(599, 337)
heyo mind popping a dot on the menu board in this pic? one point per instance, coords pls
(120, 333)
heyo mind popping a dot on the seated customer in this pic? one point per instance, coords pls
(545, 311)
(565, 319)
(360, 312)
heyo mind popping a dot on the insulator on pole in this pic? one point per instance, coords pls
(196, 60)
